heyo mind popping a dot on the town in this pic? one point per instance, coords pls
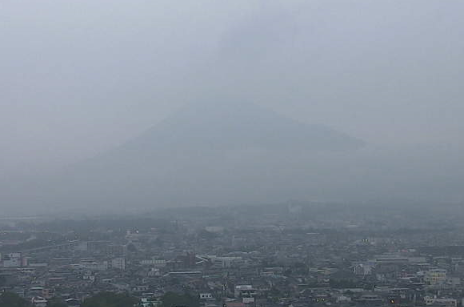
(290, 255)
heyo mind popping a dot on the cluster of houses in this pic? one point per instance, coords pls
(276, 261)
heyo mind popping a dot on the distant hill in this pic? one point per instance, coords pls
(237, 126)
(208, 153)
(232, 154)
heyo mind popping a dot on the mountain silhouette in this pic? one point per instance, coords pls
(240, 153)
(229, 126)
(209, 153)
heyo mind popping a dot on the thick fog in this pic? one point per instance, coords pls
(80, 78)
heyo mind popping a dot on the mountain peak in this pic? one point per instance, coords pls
(205, 153)
(240, 125)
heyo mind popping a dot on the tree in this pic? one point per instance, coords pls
(131, 248)
(109, 299)
(2, 280)
(8, 299)
(172, 299)
(56, 302)
(342, 283)
(274, 294)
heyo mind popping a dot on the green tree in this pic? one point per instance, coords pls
(8, 299)
(2, 280)
(109, 299)
(172, 299)
(56, 302)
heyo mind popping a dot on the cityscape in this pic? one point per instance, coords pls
(294, 255)
(237, 153)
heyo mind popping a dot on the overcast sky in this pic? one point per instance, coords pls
(80, 76)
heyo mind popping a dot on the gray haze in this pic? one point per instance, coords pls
(80, 78)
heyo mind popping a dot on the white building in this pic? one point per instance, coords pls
(118, 263)
(364, 268)
(158, 263)
(245, 291)
(206, 296)
(435, 276)
(39, 301)
(14, 260)
(448, 302)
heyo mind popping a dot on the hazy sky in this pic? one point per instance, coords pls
(80, 76)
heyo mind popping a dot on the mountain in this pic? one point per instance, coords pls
(240, 153)
(232, 126)
(207, 153)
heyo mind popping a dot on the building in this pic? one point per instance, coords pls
(435, 276)
(118, 263)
